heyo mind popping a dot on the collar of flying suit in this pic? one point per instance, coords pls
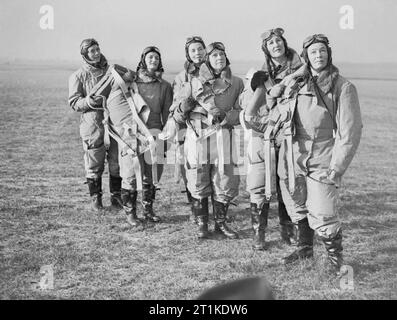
(280, 71)
(102, 64)
(192, 68)
(208, 86)
(325, 80)
(144, 76)
(97, 69)
(206, 74)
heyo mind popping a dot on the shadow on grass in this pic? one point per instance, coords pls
(241, 213)
(364, 268)
(369, 226)
(246, 233)
(174, 219)
(34, 210)
(369, 202)
(390, 250)
(368, 197)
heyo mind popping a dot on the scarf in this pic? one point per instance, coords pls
(292, 64)
(206, 74)
(102, 64)
(325, 80)
(192, 68)
(143, 75)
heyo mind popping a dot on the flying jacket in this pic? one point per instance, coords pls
(325, 137)
(158, 95)
(215, 96)
(80, 84)
(182, 80)
(258, 122)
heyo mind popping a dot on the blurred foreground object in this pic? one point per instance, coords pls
(256, 288)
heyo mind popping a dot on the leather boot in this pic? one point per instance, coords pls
(148, 195)
(115, 192)
(95, 189)
(153, 191)
(220, 212)
(305, 242)
(334, 249)
(287, 231)
(128, 198)
(200, 211)
(192, 218)
(189, 196)
(259, 224)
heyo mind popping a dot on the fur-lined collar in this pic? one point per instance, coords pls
(208, 86)
(206, 74)
(306, 83)
(192, 68)
(97, 68)
(280, 71)
(325, 80)
(144, 76)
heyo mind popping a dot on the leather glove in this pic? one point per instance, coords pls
(259, 78)
(187, 105)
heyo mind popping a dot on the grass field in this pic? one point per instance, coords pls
(44, 216)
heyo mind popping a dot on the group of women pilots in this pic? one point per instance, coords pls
(320, 106)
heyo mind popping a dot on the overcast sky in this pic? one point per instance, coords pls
(124, 27)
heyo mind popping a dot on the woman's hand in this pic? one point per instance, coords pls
(187, 105)
(331, 177)
(258, 79)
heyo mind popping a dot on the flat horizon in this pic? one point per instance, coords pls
(173, 61)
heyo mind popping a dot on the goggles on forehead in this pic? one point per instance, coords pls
(150, 49)
(316, 37)
(215, 45)
(267, 34)
(194, 39)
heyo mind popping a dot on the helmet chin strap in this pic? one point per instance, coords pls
(91, 62)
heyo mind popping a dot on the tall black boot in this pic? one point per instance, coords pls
(287, 231)
(200, 211)
(334, 249)
(115, 192)
(190, 199)
(305, 242)
(128, 198)
(153, 191)
(148, 195)
(259, 224)
(220, 212)
(189, 196)
(95, 189)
